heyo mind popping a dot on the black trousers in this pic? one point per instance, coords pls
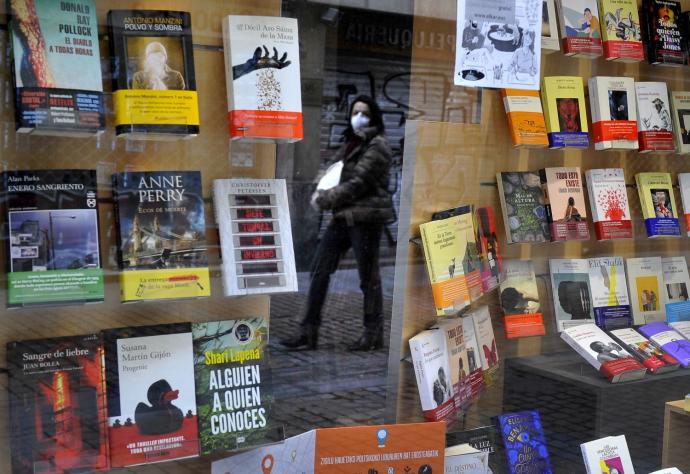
(337, 239)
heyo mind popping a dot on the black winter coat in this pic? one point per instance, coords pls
(362, 195)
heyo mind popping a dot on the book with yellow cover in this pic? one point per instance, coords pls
(658, 204)
(563, 100)
(525, 118)
(620, 30)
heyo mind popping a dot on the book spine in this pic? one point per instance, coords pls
(547, 202)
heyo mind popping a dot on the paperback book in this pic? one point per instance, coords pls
(522, 203)
(262, 73)
(669, 340)
(525, 118)
(458, 363)
(483, 438)
(519, 299)
(565, 111)
(53, 248)
(549, 28)
(614, 112)
(433, 374)
(658, 204)
(580, 28)
(253, 218)
(152, 414)
(647, 293)
(463, 458)
(233, 384)
(654, 124)
(664, 38)
(608, 199)
(676, 283)
(564, 202)
(484, 332)
(56, 67)
(524, 442)
(603, 353)
(572, 294)
(609, 293)
(161, 235)
(682, 327)
(474, 362)
(620, 30)
(684, 185)
(680, 112)
(57, 405)
(652, 357)
(609, 454)
(489, 249)
(154, 85)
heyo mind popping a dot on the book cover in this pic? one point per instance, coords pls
(676, 283)
(609, 454)
(519, 299)
(525, 445)
(608, 199)
(234, 396)
(647, 294)
(680, 113)
(603, 353)
(463, 458)
(525, 118)
(664, 38)
(474, 363)
(564, 202)
(654, 124)
(471, 257)
(262, 74)
(669, 340)
(549, 28)
(609, 293)
(658, 204)
(459, 365)
(652, 357)
(572, 294)
(57, 67)
(489, 248)
(565, 111)
(161, 235)
(483, 438)
(152, 415)
(684, 185)
(154, 85)
(53, 246)
(253, 217)
(620, 30)
(484, 331)
(432, 371)
(614, 112)
(57, 405)
(682, 327)
(498, 44)
(522, 204)
(580, 28)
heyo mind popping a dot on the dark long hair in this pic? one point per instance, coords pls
(375, 115)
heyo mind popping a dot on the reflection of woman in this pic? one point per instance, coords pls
(571, 212)
(155, 73)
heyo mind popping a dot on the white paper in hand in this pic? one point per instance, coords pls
(332, 176)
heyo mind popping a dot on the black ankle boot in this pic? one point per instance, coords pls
(371, 339)
(307, 338)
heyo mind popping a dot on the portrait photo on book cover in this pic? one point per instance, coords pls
(608, 351)
(659, 118)
(661, 200)
(568, 114)
(677, 291)
(684, 122)
(618, 105)
(155, 63)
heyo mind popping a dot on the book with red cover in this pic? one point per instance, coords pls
(519, 297)
(488, 247)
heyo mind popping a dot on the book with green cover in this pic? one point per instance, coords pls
(522, 203)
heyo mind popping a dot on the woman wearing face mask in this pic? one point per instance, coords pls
(361, 206)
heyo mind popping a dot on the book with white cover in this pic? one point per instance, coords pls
(680, 113)
(682, 327)
(572, 295)
(684, 185)
(647, 293)
(654, 123)
(607, 454)
(676, 283)
(457, 357)
(668, 470)
(608, 199)
(488, 353)
(474, 362)
(465, 459)
(549, 28)
(432, 371)
(253, 220)
(614, 112)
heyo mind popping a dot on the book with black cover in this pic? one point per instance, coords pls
(664, 38)
(58, 417)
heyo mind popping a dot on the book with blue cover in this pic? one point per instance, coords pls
(523, 438)
(676, 283)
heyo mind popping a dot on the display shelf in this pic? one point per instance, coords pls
(676, 433)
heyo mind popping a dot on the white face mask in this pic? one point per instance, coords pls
(359, 121)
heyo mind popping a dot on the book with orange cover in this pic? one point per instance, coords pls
(525, 117)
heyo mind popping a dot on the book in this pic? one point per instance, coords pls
(498, 45)
(466, 459)
(549, 28)
(658, 204)
(580, 28)
(647, 294)
(522, 204)
(654, 124)
(664, 38)
(483, 438)
(154, 85)
(565, 111)
(152, 414)
(652, 357)
(471, 258)
(53, 245)
(684, 185)
(609, 293)
(668, 470)
(609, 454)
(458, 363)
(564, 202)
(474, 363)
(676, 284)
(488, 352)
(525, 445)
(253, 217)
(680, 112)
(489, 249)
(262, 74)
(525, 118)
(669, 340)
(608, 199)
(57, 406)
(161, 235)
(519, 300)
(56, 67)
(682, 327)
(572, 294)
(603, 353)
(234, 396)
(614, 112)
(432, 372)
(620, 30)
